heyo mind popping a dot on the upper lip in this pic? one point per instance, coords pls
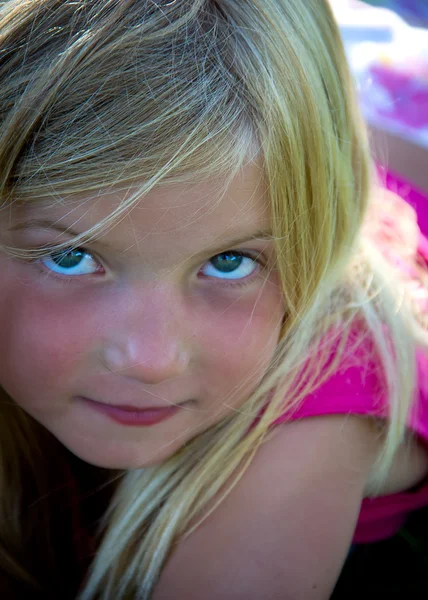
(132, 407)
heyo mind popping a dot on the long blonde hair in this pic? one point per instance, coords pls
(101, 94)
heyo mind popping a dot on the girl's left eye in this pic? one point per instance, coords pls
(71, 262)
(230, 265)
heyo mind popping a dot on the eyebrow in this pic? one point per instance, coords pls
(46, 224)
(261, 235)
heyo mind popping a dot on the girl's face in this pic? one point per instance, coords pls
(129, 347)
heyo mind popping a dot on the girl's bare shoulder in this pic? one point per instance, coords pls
(285, 529)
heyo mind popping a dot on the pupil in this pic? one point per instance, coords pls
(68, 259)
(227, 262)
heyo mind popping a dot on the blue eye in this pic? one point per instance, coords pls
(71, 262)
(230, 265)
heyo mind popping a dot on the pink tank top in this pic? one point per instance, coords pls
(356, 388)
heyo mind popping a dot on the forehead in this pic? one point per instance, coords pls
(206, 205)
(208, 210)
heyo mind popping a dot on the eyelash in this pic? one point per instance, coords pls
(62, 278)
(256, 257)
(36, 262)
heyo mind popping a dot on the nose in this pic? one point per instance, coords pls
(146, 341)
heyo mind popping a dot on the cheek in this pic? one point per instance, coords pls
(240, 342)
(43, 339)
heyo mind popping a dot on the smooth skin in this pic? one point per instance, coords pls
(145, 318)
(285, 530)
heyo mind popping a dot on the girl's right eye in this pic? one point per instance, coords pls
(71, 262)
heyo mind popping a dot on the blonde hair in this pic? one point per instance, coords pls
(97, 95)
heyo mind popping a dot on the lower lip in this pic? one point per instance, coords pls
(135, 418)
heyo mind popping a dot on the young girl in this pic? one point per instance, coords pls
(212, 319)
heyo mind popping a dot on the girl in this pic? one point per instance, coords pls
(212, 337)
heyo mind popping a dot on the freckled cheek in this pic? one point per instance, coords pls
(44, 340)
(239, 343)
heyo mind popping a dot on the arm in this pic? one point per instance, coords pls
(285, 529)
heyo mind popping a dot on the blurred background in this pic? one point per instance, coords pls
(387, 46)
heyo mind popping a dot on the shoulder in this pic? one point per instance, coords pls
(285, 529)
